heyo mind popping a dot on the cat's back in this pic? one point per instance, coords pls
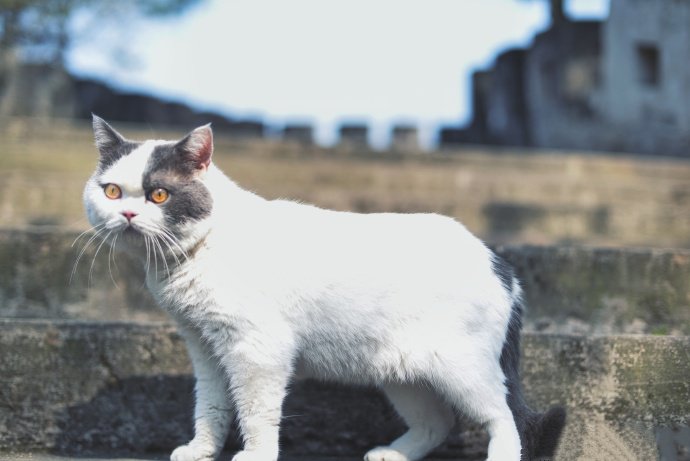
(295, 241)
(401, 231)
(299, 240)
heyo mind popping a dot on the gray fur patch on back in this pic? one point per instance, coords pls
(189, 199)
(503, 271)
(539, 433)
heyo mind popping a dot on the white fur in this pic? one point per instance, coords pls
(272, 290)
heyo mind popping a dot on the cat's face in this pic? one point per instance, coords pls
(149, 193)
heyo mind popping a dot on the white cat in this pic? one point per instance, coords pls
(268, 291)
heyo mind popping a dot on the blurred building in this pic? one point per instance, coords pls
(353, 136)
(404, 138)
(618, 85)
(300, 133)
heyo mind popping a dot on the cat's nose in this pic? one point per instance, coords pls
(129, 215)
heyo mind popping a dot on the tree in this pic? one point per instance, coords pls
(35, 36)
(39, 30)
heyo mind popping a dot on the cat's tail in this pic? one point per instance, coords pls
(539, 432)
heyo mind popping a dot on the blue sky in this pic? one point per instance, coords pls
(320, 61)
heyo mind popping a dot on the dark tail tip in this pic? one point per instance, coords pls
(548, 428)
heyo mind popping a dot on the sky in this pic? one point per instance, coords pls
(323, 62)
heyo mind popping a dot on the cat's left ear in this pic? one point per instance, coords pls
(107, 139)
(197, 147)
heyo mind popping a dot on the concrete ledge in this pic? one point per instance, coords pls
(76, 388)
(568, 290)
(604, 290)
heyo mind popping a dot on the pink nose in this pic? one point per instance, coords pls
(129, 215)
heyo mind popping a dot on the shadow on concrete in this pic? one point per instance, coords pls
(129, 416)
(146, 416)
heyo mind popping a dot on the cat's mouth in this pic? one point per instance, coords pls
(131, 232)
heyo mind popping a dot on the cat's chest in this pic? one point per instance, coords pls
(185, 289)
(208, 288)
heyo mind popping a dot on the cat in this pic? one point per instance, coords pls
(268, 291)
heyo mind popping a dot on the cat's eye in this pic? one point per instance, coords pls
(112, 191)
(158, 195)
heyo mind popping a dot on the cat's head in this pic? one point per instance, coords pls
(151, 192)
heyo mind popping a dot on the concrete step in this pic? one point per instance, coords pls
(79, 388)
(568, 289)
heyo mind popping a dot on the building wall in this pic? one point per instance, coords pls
(621, 85)
(561, 79)
(506, 107)
(646, 85)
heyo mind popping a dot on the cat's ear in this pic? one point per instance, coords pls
(107, 139)
(197, 147)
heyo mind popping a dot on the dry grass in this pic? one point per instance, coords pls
(507, 196)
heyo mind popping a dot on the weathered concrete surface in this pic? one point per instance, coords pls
(624, 393)
(596, 290)
(72, 387)
(79, 388)
(568, 290)
(37, 280)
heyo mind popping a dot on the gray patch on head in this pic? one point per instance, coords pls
(111, 154)
(111, 145)
(189, 199)
(173, 157)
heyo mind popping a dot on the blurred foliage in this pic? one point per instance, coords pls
(40, 30)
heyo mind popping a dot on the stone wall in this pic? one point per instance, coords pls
(77, 388)
(567, 289)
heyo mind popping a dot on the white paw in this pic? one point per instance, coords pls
(255, 455)
(385, 454)
(191, 453)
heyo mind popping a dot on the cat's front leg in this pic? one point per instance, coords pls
(259, 370)
(213, 408)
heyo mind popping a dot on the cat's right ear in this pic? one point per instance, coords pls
(107, 139)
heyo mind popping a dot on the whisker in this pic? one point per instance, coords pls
(165, 261)
(163, 239)
(111, 254)
(83, 250)
(93, 261)
(100, 226)
(155, 255)
(174, 240)
(148, 261)
(158, 237)
(171, 243)
(86, 245)
(148, 254)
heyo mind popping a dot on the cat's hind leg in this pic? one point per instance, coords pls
(428, 418)
(480, 394)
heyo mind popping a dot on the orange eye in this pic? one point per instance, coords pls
(159, 195)
(112, 191)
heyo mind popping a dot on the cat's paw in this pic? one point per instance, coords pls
(191, 452)
(255, 455)
(385, 454)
